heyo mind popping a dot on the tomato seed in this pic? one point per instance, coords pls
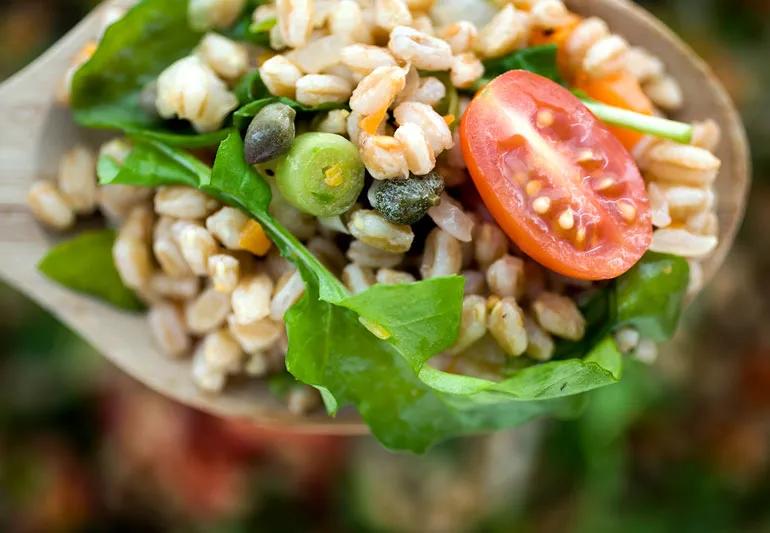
(544, 118)
(541, 205)
(567, 220)
(604, 184)
(627, 211)
(533, 187)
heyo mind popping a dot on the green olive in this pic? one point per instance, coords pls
(406, 201)
(270, 133)
(321, 175)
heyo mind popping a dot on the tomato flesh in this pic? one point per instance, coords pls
(555, 179)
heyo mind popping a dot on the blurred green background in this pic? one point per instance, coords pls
(683, 445)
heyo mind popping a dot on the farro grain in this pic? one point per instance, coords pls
(229, 59)
(442, 255)
(255, 337)
(540, 345)
(213, 14)
(317, 89)
(384, 156)
(225, 272)
(508, 30)
(183, 202)
(295, 20)
(377, 90)
(449, 216)
(460, 35)
(280, 76)
(371, 228)
(49, 206)
(77, 179)
(288, 291)
(196, 245)
(391, 13)
(466, 70)
(168, 329)
(419, 155)
(207, 312)
(388, 276)
(473, 323)
(664, 93)
(559, 315)
(369, 256)
(682, 242)
(505, 277)
(430, 122)
(357, 278)
(475, 282)
(251, 298)
(190, 90)
(506, 324)
(420, 49)
(205, 377)
(173, 288)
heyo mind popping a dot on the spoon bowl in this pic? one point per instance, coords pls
(35, 131)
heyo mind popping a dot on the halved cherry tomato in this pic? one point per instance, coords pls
(556, 180)
(620, 90)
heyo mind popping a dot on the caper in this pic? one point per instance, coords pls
(321, 175)
(406, 201)
(270, 133)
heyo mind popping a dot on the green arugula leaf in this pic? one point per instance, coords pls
(243, 116)
(650, 296)
(85, 264)
(250, 87)
(328, 347)
(538, 59)
(134, 51)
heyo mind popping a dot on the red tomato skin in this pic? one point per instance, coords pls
(619, 244)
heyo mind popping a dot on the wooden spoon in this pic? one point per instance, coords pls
(35, 132)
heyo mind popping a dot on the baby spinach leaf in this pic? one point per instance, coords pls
(106, 90)
(84, 264)
(650, 296)
(132, 53)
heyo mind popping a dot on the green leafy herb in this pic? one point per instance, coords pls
(250, 87)
(106, 90)
(243, 116)
(538, 59)
(328, 347)
(650, 296)
(85, 264)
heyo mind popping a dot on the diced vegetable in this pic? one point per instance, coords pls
(620, 90)
(270, 133)
(406, 201)
(322, 174)
(254, 239)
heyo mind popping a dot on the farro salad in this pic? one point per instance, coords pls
(451, 214)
